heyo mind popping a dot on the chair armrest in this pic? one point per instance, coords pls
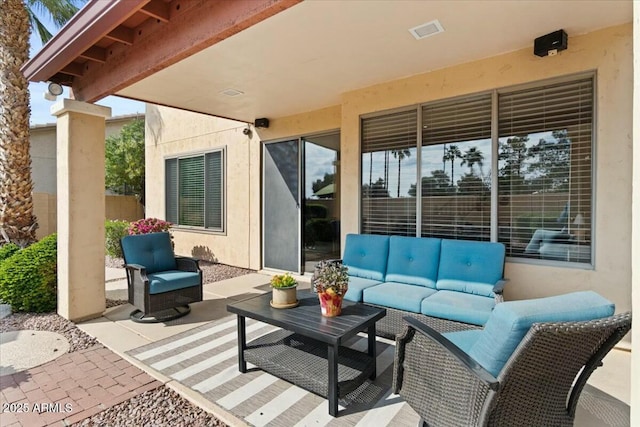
(137, 277)
(499, 286)
(438, 380)
(463, 358)
(188, 264)
(136, 267)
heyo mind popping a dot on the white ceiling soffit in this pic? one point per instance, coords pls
(304, 58)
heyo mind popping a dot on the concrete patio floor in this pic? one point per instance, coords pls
(117, 332)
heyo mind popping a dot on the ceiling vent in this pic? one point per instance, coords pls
(426, 30)
(232, 92)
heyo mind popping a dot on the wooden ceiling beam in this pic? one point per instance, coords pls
(121, 34)
(62, 78)
(156, 9)
(193, 27)
(96, 54)
(73, 69)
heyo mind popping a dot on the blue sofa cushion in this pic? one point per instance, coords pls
(469, 266)
(397, 295)
(458, 306)
(172, 280)
(356, 286)
(366, 255)
(510, 321)
(153, 251)
(413, 260)
(464, 340)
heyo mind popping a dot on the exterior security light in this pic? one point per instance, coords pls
(54, 89)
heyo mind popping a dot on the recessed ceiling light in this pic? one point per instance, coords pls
(426, 30)
(232, 92)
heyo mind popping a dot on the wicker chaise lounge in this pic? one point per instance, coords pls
(526, 368)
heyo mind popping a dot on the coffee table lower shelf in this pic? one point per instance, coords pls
(303, 361)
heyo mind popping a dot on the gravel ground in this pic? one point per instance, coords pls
(78, 340)
(159, 407)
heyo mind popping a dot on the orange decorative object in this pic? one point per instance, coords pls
(330, 304)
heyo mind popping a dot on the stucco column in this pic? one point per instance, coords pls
(81, 208)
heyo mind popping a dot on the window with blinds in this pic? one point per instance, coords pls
(194, 191)
(543, 139)
(545, 170)
(456, 169)
(389, 169)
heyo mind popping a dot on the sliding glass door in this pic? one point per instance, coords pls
(281, 206)
(301, 209)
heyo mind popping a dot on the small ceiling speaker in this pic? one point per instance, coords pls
(261, 123)
(550, 44)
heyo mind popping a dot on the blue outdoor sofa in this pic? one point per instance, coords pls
(450, 285)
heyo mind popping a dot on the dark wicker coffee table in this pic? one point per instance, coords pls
(308, 350)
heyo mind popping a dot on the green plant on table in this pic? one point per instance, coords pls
(283, 281)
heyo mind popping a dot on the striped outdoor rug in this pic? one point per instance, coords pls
(205, 359)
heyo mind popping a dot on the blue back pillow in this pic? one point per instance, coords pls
(413, 260)
(366, 255)
(469, 266)
(152, 251)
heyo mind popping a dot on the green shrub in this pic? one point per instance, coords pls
(28, 278)
(115, 230)
(8, 250)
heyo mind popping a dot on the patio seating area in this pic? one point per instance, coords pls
(196, 355)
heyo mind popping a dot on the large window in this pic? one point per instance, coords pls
(195, 190)
(509, 165)
(456, 168)
(388, 171)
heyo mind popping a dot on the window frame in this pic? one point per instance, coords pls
(223, 186)
(494, 226)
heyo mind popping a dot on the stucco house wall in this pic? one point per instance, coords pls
(608, 52)
(170, 132)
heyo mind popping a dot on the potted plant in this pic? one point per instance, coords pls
(331, 282)
(284, 291)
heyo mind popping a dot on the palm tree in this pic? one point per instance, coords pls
(451, 153)
(17, 17)
(471, 157)
(400, 155)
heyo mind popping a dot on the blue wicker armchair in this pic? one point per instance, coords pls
(161, 285)
(527, 367)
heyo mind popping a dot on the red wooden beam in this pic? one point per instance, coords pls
(193, 26)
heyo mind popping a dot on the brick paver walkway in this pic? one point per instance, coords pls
(70, 388)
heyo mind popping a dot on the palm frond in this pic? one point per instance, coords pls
(60, 11)
(37, 25)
